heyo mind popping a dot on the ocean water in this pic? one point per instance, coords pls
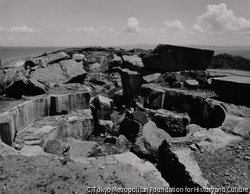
(11, 52)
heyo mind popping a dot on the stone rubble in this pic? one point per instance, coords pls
(165, 113)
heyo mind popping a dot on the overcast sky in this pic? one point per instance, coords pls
(122, 22)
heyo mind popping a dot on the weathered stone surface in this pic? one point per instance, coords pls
(34, 88)
(179, 168)
(78, 125)
(65, 103)
(145, 168)
(192, 84)
(73, 71)
(235, 122)
(181, 76)
(19, 117)
(193, 128)
(148, 142)
(152, 77)
(95, 67)
(78, 148)
(176, 158)
(6, 150)
(57, 147)
(130, 128)
(123, 166)
(32, 151)
(201, 109)
(17, 87)
(176, 58)
(67, 71)
(103, 107)
(131, 83)
(36, 136)
(78, 57)
(173, 123)
(119, 99)
(132, 62)
(122, 140)
(51, 58)
(105, 126)
(234, 89)
(115, 62)
(138, 116)
(154, 98)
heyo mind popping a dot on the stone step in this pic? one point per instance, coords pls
(78, 125)
(21, 116)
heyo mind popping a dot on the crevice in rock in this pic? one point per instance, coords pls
(5, 134)
(173, 171)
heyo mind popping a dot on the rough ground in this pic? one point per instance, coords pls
(227, 167)
(47, 174)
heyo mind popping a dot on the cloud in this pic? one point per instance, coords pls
(197, 28)
(81, 29)
(220, 19)
(23, 29)
(174, 25)
(132, 25)
(2, 29)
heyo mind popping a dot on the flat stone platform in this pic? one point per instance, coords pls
(233, 89)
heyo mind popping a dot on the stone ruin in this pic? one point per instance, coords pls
(168, 109)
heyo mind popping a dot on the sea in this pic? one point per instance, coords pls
(13, 52)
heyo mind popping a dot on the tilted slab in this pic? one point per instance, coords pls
(177, 161)
(176, 58)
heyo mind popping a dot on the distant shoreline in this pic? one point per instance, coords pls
(7, 53)
(10, 52)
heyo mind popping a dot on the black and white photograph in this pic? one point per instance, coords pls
(124, 96)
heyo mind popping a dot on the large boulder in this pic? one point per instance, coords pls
(151, 77)
(132, 62)
(148, 141)
(173, 123)
(57, 147)
(67, 71)
(176, 58)
(131, 83)
(130, 128)
(138, 116)
(115, 62)
(50, 58)
(78, 57)
(234, 89)
(103, 107)
(179, 168)
(105, 126)
(34, 88)
(192, 84)
(17, 87)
